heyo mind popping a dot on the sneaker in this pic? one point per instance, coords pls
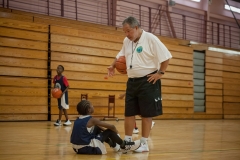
(143, 148)
(127, 146)
(135, 131)
(57, 123)
(67, 123)
(131, 146)
(117, 148)
(152, 124)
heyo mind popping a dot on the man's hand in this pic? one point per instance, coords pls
(154, 77)
(111, 71)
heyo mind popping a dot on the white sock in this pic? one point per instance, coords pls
(128, 138)
(144, 140)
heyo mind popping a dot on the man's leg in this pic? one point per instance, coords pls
(129, 125)
(146, 126)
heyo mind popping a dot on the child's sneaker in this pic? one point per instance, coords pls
(131, 146)
(57, 123)
(135, 131)
(117, 148)
(142, 148)
(67, 123)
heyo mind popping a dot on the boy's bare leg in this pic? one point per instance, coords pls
(129, 123)
(146, 126)
(65, 113)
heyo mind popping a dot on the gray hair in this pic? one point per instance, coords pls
(133, 22)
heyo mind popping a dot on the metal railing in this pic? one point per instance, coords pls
(156, 20)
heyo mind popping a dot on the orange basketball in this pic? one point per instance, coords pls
(56, 93)
(121, 65)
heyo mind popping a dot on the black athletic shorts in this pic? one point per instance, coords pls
(143, 98)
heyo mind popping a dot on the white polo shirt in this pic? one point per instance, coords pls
(144, 56)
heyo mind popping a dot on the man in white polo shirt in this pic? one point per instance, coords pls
(147, 59)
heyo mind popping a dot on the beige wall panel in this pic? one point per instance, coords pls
(231, 87)
(231, 68)
(17, 91)
(177, 90)
(169, 103)
(231, 62)
(214, 98)
(87, 34)
(23, 117)
(179, 48)
(16, 16)
(26, 82)
(23, 25)
(96, 85)
(182, 55)
(182, 97)
(83, 50)
(231, 75)
(11, 42)
(24, 53)
(177, 110)
(180, 76)
(213, 73)
(213, 60)
(175, 116)
(85, 42)
(207, 116)
(214, 66)
(80, 67)
(76, 25)
(213, 79)
(231, 105)
(231, 93)
(214, 92)
(28, 72)
(214, 54)
(214, 85)
(232, 111)
(231, 56)
(231, 81)
(81, 58)
(16, 33)
(23, 109)
(179, 69)
(231, 116)
(213, 105)
(92, 76)
(180, 62)
(178, 83)
(231, 99)
(214, 111)
(22, 62)
(12, 100)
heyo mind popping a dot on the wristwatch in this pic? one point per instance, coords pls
(160, 72)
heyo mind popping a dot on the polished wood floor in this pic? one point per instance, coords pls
(169, 140)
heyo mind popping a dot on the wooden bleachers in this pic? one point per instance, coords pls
(23, 70)
(86, 50)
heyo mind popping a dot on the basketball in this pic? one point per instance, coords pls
(121, 65)
(56, 93)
